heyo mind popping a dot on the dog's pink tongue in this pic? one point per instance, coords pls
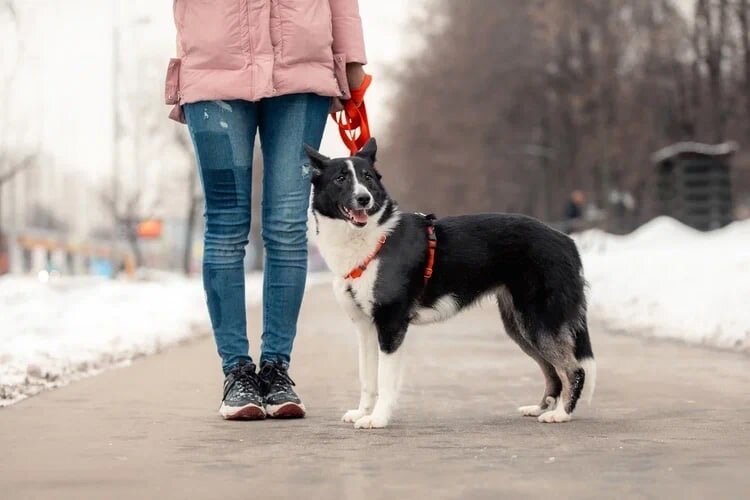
(359, 216)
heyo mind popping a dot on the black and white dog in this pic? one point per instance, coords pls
(380, 258)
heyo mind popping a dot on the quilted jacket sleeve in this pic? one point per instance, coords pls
(347, 31)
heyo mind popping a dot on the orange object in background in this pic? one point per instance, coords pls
(354, 127)
(149, 229)
(4, 263)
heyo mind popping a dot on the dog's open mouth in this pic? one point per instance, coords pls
(358, 217)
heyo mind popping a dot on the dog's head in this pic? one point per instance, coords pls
(348, 189)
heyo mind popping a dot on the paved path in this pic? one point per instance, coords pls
(667, 420)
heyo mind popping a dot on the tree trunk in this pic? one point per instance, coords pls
(714, 32)
(743, 13)
(132, 236)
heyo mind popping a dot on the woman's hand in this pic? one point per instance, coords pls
(355, 74)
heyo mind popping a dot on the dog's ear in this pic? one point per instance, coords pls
(369, 150)
(318, 162)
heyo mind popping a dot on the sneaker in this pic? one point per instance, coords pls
(280, 399)
(242, 395)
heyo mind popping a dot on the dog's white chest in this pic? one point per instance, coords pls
(356, 296)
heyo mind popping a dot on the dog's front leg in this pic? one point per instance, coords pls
(368, 371)
(389, 377)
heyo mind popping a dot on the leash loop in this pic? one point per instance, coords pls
(352, 121)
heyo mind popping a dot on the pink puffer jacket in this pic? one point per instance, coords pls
(251, 49)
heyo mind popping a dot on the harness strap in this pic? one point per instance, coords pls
(431, 247)
(357, 271)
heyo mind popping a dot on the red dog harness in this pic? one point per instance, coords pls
(357, 271)
(431, 248)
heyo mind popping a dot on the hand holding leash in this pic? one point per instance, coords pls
(354, 127)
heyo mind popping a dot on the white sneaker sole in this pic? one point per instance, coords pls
(247, 412)
(286, 410)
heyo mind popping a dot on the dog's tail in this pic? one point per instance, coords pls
(585, 356)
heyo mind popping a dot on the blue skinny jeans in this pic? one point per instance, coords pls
(223, 133)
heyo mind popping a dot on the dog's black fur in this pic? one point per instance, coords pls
(534, 271)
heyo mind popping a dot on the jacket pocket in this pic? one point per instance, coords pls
(172, 83)
(306, 31)
(339, 68)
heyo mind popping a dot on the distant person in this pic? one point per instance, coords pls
(275, 68)
(622, 207)
(574, 211)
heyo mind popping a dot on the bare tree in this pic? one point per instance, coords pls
(743, 16)
(10, 164)
(10, 167)
(14, 167)
(711, 20)
(127, 215)
(514, 104)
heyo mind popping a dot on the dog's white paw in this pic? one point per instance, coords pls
(353, 415)
(536, 410)
(555, 416)
(530, 411)
(371, 422)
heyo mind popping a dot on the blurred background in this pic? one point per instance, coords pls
(94, 177)
(589, 114)
(550, 108)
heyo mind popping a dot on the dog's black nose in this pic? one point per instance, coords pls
(363, 200)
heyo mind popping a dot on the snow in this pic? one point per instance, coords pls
(56, 332)
(668, 280)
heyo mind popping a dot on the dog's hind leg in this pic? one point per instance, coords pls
(368, 370)
(553, 385)
(573, 377)
(552, 390)
(571, 354)
(559, 352)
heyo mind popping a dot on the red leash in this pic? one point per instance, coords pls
(354, 127)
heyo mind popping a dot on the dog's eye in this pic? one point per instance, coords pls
(340, 179)
(368, 176)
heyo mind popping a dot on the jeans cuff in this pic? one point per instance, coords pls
(274, 359)
(228, 367)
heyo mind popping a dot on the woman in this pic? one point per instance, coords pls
(274, 67)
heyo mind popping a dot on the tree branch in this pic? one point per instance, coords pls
(27, 162)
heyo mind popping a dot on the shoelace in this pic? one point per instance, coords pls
(275, 377)
(246, 381)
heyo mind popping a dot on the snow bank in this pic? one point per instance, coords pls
(52, 333)
(668, 280)
(56, 332)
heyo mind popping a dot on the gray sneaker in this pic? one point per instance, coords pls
(280, 399)
(242, 394)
